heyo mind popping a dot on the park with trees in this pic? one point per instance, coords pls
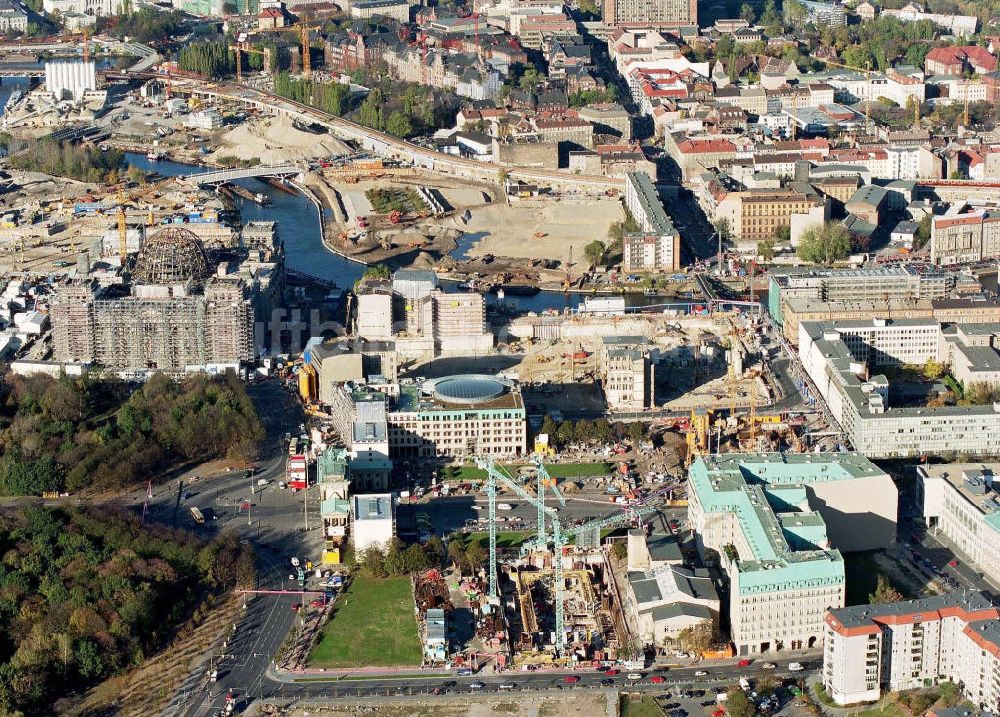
(86, 594)
(71, 434)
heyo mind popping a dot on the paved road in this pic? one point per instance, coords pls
(357, 685)
(450, 513)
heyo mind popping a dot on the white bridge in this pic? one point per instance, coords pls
(229, 175)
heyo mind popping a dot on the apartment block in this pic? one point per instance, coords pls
(657, 247)
(961, 502)
(651, 13)
(757, 214)
(891, 647)
(776, 523)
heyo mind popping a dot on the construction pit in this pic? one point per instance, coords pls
(468, 231)
(44, 230)
(464, 705)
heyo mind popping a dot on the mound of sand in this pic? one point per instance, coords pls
(276, 141)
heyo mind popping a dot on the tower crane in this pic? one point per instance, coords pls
(495, 475)
(306, 53)
(122, 229)
(245, 47)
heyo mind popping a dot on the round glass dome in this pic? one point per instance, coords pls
(468, 389)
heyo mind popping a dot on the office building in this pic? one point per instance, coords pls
(960, 502)
(795, 311)
(451, 417)
(669, 599)
(888, 282)
(657, 247)
(374, 521)
(458, 417)
(775, 524)
(662, 14)
(907, 645)
(354, 360)
(843, 357)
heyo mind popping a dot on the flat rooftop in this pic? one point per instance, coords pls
(927, 607)
(374, 506)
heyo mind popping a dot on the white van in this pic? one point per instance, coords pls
(795, 667)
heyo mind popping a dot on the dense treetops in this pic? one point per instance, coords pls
(69, 434)
(84, 163)
(86, 594)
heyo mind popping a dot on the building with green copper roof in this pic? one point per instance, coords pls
(776, 523)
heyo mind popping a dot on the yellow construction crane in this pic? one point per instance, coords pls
(244, 47)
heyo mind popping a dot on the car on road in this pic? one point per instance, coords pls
(795, 667)
(635, 675)
(952, 563)
(476, 685)
(187, 494)
(607, 682)
(463, 672)
(612, 672)
(700, 673)
(743, 663)
(318, 602)
(571, 679)
(768, 666)
(504, 506)
(657, 679)
(507, 686)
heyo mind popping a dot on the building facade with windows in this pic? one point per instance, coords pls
(912, 644)
(842, 359)
(774, 523)
(961, 502)
(651, 13)
(658, 246)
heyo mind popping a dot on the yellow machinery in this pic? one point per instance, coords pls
(698, 435)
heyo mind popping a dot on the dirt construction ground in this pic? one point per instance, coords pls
(509, 230)
(522, 705)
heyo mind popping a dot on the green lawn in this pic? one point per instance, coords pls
(556, 470)
(373, 626)
(505, 538)
(889, 709)
(635, 706)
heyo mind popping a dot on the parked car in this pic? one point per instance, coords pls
(768, 666)
(571, 679)
(743, 663)
(795, 667)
